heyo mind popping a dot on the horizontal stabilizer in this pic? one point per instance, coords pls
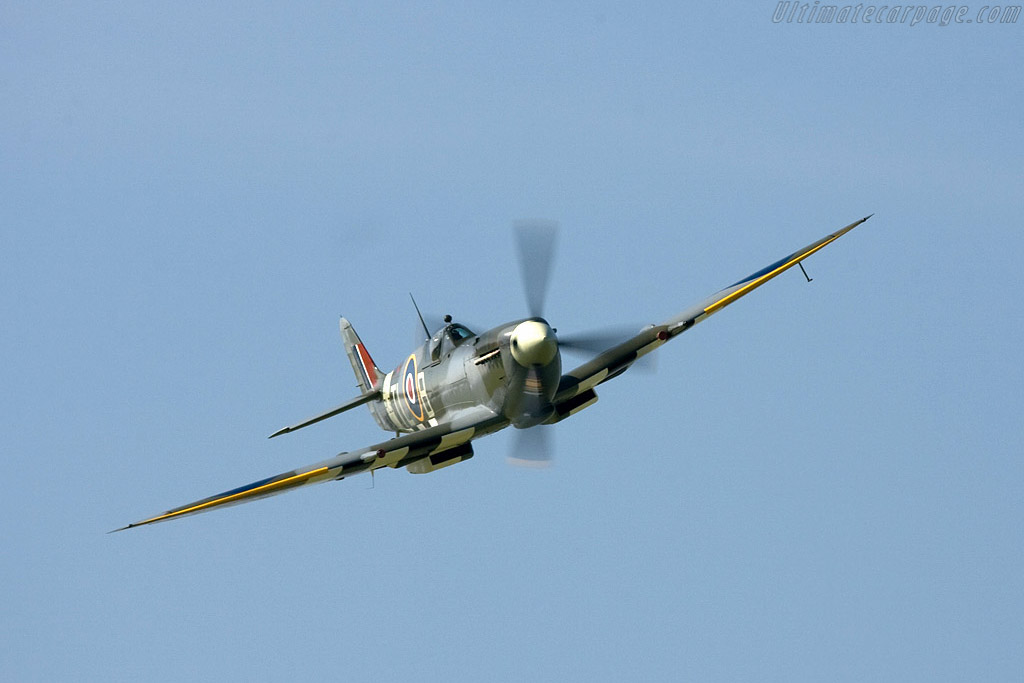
(347, 405)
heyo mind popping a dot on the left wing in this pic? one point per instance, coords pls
(617, 359)
(396, 452)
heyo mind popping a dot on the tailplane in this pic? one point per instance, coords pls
(369, 378)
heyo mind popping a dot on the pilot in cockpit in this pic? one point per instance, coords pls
(450, 336)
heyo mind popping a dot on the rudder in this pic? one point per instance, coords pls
(368, 375)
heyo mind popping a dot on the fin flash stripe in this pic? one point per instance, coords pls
(368, 365)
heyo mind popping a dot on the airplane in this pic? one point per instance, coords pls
(459, 386)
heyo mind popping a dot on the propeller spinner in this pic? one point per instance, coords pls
(534, 344)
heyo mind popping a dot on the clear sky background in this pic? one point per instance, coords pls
(823, 482)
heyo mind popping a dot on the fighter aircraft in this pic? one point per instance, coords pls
(460, 385)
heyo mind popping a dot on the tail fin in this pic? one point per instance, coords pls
(368, 375)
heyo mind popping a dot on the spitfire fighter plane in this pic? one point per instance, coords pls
(460, 385)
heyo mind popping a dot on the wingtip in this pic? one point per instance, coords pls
(114, 531)
(279, 432)
(866, 217)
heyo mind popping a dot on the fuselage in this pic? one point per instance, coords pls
(457, 370)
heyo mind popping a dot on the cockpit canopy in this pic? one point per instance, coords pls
(459, 332)
(447, 338)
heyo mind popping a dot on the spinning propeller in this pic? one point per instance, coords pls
(534, 343)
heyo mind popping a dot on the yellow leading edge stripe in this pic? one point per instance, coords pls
(272, 486)
(726, 300)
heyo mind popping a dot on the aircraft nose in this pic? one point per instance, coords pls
(533, 343)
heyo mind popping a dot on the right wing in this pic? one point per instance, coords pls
(617, 359)
(396, 452)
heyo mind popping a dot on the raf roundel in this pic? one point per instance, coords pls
(410, 388)
(412, 397)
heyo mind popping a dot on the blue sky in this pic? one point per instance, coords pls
(823, 482)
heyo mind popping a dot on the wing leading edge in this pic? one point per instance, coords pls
(617, 359)
(396, 452)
